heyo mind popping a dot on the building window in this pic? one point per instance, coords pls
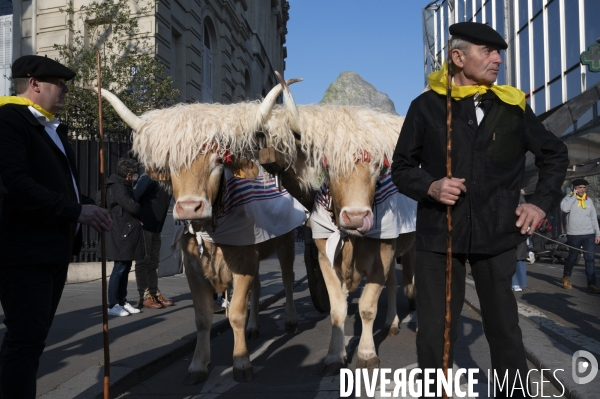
(573, 83)
(207, 66)
(468, 10)
(488, 15)
(554, 39)
(540, 102)
(523, 60)
(460, 10)
(500, 17)
(539, 77)
(523, 15)
(572, 32)
(555, 93)
(536, 6)
(592, 22)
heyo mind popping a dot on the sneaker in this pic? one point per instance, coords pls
(117, 311)
(592, 289)
(130, 308)
(517, 288)
(531, 257)
(218, 305)
(566, 282)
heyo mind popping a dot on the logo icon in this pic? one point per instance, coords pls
(584, 362)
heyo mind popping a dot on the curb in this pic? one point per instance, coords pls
(182, 342)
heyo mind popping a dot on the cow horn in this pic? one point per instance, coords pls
(267, 105)
(290, 104)
(131, 119)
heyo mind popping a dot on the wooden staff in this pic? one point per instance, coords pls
(448, 317)
(103, 242)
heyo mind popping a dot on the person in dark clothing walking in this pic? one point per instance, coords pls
(492, 130)
(42, 214)
(154, 204)
(126, 241)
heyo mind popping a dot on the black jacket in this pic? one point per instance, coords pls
(125, 241)
(154, 203)
(40, 210)
(491, 157)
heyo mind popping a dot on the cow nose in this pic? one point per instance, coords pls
(189, 209)
(354, 219)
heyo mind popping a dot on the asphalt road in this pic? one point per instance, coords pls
(289, 366)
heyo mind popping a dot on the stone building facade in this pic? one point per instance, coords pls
(216, 50)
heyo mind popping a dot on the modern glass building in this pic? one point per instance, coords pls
(546, 39)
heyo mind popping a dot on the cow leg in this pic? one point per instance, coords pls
(367, 305)
(286, 254)
(408, 276)
(336, 357)
(392, 321)
(202, 297)
(252, 329)
(242, 369)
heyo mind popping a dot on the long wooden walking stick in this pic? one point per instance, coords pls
(448, 317)
(103, 241)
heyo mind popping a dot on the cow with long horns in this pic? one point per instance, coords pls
(202, 149)
(360, 221)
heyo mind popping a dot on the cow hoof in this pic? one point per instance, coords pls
(252, 334)
(331, 369)
(240, 375)
(392, 330)
(195, 378)
(369, 364)
(412, 304)
(291, 328)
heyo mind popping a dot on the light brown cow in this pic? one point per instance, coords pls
(192, 144)
(349, 147)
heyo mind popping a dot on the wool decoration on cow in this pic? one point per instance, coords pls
(334, 137)
(394, 214)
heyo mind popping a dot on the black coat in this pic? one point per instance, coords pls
(154, 203)
(490, 156)
(40, 211)
(125, 241)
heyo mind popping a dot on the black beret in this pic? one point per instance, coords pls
(478, 33)
(38, 67)
(580, 182)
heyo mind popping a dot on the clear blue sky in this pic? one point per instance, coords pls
(381, 40)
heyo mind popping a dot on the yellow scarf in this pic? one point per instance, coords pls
(25, 101)
(581, 200)
(508, 94)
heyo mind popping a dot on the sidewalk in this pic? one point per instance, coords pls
(146, 343)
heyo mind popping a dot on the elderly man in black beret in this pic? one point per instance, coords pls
(582, 232)
(492, 129)
(40, 224)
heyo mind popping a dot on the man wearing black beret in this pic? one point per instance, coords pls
(40, 224)
(492, 129)
(582, 232)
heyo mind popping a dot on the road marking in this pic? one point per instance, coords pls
(568, 333)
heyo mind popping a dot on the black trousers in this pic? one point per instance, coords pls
(493, 277)
(29, 296)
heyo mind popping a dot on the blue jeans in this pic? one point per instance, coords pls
(520, 276)
(586, 242)
(117, 285)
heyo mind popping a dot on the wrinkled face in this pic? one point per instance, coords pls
(353, 196)
(480, 65)
(581, 189)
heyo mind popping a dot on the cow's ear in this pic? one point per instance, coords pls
(245, 169)
(156, 174)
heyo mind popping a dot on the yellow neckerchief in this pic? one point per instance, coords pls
(25, 101)
(581, 200)
(508, 94)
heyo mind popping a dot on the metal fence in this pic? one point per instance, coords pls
(88, 165)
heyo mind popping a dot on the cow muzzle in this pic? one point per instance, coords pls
(359, 220)
(192, 209)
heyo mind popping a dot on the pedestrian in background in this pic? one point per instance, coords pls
(582, 232)
(125, 243)
(519, 279)
(154, 203)
(492, 130)
(40, 224)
